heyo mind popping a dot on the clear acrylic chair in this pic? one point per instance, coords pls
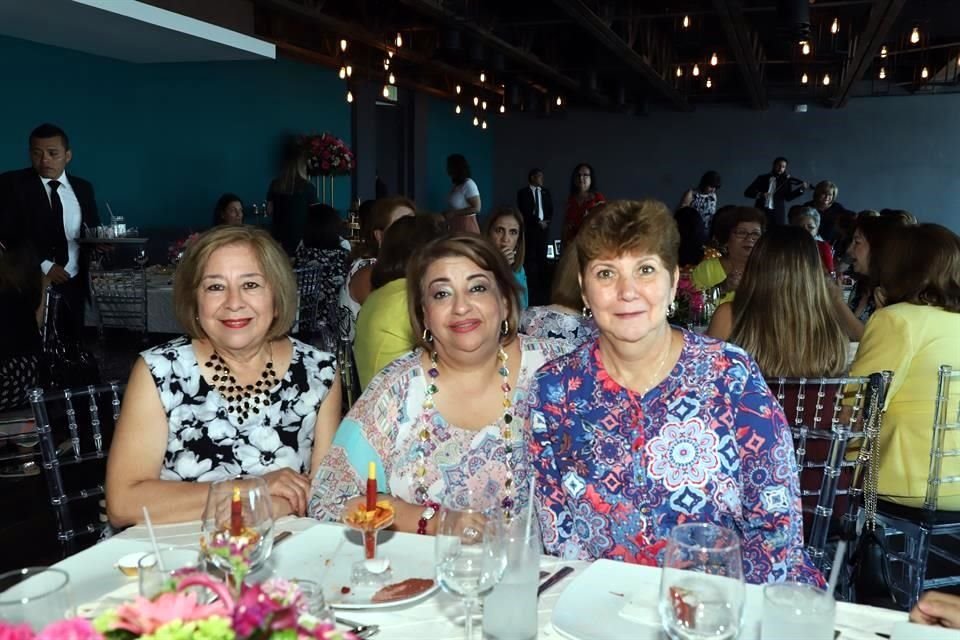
(75, 427)
(913, 530)
(120, 299)
(829, 418)
(308, 290)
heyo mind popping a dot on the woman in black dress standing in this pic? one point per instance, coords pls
(289, 197)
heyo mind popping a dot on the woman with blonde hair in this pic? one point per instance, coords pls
(784, 281)
(833, 215)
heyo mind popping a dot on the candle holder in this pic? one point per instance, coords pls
(373, 570)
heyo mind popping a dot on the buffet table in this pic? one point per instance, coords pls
(93, 577)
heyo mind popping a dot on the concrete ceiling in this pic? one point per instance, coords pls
(127, 30)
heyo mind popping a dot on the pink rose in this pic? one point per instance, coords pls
(73, 629)
(15, 632)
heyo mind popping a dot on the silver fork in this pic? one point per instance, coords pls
(359, 629)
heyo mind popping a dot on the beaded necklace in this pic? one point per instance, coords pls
(243, 399)
(506, 432)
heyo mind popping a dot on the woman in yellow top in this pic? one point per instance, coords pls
(383, 326)
(737, 230)
(918, 330)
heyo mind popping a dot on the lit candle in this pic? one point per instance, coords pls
(236, 513)
(372, 486)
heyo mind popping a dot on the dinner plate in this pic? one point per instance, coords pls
(326, 554)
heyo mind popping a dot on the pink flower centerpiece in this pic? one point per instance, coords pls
(327, 155)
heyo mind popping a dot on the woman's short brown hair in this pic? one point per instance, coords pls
(620, 227)
(379, 219)
(825, 186)
(272, 258)
(921, 266)
(726, 222)
(511, 212)
(565, 289)
(482, 253)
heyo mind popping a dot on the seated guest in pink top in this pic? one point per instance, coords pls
(648, 426)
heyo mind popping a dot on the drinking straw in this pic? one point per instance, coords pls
(153, 538)
(533, 482)
(835, 569)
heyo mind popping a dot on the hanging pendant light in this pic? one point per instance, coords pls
(458, 110)
(709, 83)
(804, 79)
(349, 96)
(713, 59)
(679, 72)
(686, 22)
(696, 69)
(924, 73)
(835, 26)
(883, 51)
(915, 36)
(883, 73)
(805, 48)
(826, 79)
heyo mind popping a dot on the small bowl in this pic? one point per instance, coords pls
(127, 565)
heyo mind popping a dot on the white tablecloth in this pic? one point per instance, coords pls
(92, 576)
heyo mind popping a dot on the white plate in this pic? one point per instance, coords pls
(326, 554)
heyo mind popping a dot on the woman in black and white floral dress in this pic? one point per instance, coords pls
(236, 396)
(323, 247)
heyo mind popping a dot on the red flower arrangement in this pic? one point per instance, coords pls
(327, 155)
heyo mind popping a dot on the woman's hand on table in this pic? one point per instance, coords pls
(290, 486)
(936, 608)
(282, 507)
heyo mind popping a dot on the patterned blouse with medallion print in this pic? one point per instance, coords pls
(206, 442)
(617, 471)
(383, 427)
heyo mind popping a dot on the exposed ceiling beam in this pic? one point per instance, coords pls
(436, 10)
(883, 14)
(610, 39)
(357, 34)
(745, 49)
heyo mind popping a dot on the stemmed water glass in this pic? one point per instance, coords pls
(470, 550)
(237, 527)
(701, 588)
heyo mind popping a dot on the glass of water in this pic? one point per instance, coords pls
(510, 610)
(701, 588)
(35, 596)
(470, 551)
(791, 609)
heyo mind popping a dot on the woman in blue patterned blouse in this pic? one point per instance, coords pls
(650, 426)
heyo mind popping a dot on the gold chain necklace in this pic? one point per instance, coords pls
(243, 399)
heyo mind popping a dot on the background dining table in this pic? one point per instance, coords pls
(94, 578)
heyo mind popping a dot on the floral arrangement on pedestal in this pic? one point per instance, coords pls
(176, 250)
(327, 155)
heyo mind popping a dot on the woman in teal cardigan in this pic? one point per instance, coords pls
(505, 231)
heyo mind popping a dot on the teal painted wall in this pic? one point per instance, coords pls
(449, 133)
(161, 142)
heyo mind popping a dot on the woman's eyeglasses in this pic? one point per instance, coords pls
(743, 235)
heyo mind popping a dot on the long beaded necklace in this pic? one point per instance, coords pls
(506, 432)
(243, 399)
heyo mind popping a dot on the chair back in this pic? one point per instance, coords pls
(120, 298)
(945, 443)
(75, 428)
(49, 333)
(308, 290)
(830, 417)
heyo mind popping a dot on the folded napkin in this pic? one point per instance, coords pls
(126, 593)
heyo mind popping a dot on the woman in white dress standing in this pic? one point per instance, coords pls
(463, 203)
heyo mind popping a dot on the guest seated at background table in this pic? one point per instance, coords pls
(452, 413)
(832, 214)
(737, 230)
(383, 213)
(288, 197)
(914, 332)
(649, 426)
(383, 324)
(228, 210)
(808, 218)
(562, 318)
(871, 236)
(235, 396)
(505, 230)
(20, 295)
(693, 235)
(323, 246)
(783, 314)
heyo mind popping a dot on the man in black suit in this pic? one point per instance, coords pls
(49, 208)
(536, 205)
(771, 191)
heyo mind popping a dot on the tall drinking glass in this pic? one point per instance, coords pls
(469, 549)
(701, 588)
(510, 611)
(154, 576)
(36, 596)
(798, 610)
(238, 523)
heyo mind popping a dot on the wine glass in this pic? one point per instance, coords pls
(701, 588)
(470, 550)
(237, 527)
(35, 596)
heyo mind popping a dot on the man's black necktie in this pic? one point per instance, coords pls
(56, 208)
(536, 197)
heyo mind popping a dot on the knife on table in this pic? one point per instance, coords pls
(554, 579)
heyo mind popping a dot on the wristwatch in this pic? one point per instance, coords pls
(428, 514)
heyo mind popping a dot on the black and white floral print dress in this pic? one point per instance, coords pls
(205, 442)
